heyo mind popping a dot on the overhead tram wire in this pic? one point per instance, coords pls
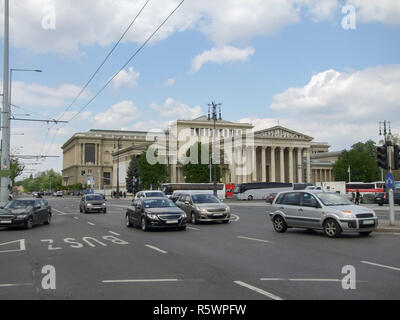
(97, 70)
(123, 67)
(129, 60)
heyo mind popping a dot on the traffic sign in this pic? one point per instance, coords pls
(389, 181)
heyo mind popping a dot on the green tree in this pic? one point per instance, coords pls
(152, 174)
(363, 167)
(197, 172)
(368, 147)
(16, 170)
(133, 172)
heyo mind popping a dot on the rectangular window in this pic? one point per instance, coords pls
(90, 153)
(107, 178)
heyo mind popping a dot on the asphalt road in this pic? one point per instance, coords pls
(96, 257)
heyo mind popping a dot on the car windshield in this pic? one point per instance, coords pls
(94, 198)
(19, 204)
(204, 198)
(158, 203)
(333, 199)
(154, 194)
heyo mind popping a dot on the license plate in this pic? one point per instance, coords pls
(217, 214)
(367, 222)
(5, 221)
(171, 221)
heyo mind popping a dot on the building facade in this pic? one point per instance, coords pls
(277, 154)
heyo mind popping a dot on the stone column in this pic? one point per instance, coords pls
(282, 164)
(254, 175)
(291, 172)
(308, 165)
(263, 165)
(272, 175)
(299, 166)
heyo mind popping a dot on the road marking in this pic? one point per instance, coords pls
(92, 224)
(306, 280)
(258, 290)
(22, 246)
(114, 233)
(235, 217)
(156, 249)
(380, 265)
(15, 285)
(76, 218)
(253, 239)
(140, 280)
(191, 228)
(62, 213)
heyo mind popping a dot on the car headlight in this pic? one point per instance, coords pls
(89, 204)
(227, 209)
(348, 214)
(152, 216)
(183, 215)
(373, 213)
(202, 210)
(104, 204)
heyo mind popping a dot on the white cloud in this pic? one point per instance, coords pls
(35, 95)
(80, 23)
(177, 110)
(372, 93)
(382, 11)
(170, 82)
(221, 55)
(119, 114)
(153, 125)
(126, 79)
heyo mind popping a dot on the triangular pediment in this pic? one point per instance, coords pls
(282, 133)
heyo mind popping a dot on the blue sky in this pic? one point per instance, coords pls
(287, 60)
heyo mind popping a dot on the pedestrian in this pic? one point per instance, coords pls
(353, 197)
(124, 194)
(358, 196)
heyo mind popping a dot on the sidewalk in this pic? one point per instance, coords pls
(384, 226)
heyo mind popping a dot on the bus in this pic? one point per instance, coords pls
(170, 188)
(365, 187)
(260, 190)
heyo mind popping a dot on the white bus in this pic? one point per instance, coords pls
(170, 188)
(261, 190)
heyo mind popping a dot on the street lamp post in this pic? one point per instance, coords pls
(118, 148)
(214, 117)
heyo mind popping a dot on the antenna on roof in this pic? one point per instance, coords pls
(209, 116)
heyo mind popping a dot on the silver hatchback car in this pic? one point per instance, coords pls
(327, 211)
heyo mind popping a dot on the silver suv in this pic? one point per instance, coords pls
(327, 211)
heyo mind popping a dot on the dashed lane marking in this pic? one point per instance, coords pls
(156, 249)
(380, 265)
(254, 239)
(258, 290)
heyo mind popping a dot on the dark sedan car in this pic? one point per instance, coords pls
(383, 198)
(151, 213)
(25, 213)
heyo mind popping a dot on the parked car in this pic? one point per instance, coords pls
(204, 208)
(92, 203)
(271, 197)
(25, 213)
(157, 212)
(59, 194)
(150, 194)
(382, 198)
(327, 211)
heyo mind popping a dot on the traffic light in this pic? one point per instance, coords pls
(382, 157)
(396, 163)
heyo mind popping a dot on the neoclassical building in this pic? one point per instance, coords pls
(277, 154)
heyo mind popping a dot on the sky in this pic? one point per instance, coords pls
(326, 68)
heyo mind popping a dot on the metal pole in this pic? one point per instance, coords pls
(118, 169)
(391, 197)
(5, 152)
(215, 162)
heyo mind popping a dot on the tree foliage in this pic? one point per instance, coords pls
(133, 172)
(363, 167)
(197, 172)
(44, 181)
(16, 170)
(152, 175)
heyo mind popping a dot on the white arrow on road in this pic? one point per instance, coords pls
(21, 243)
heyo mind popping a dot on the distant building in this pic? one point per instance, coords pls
(277, 154)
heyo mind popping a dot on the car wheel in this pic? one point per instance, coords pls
(182, 228)
(365, 234)
(80, 209)
(332, 228)
(144, 225)
(380, 204)
(193, 218)
(280, 225)
(128, 222)
(225, 221)
(250, 198)
(29, 223)
(104, 210)
(48, 219)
